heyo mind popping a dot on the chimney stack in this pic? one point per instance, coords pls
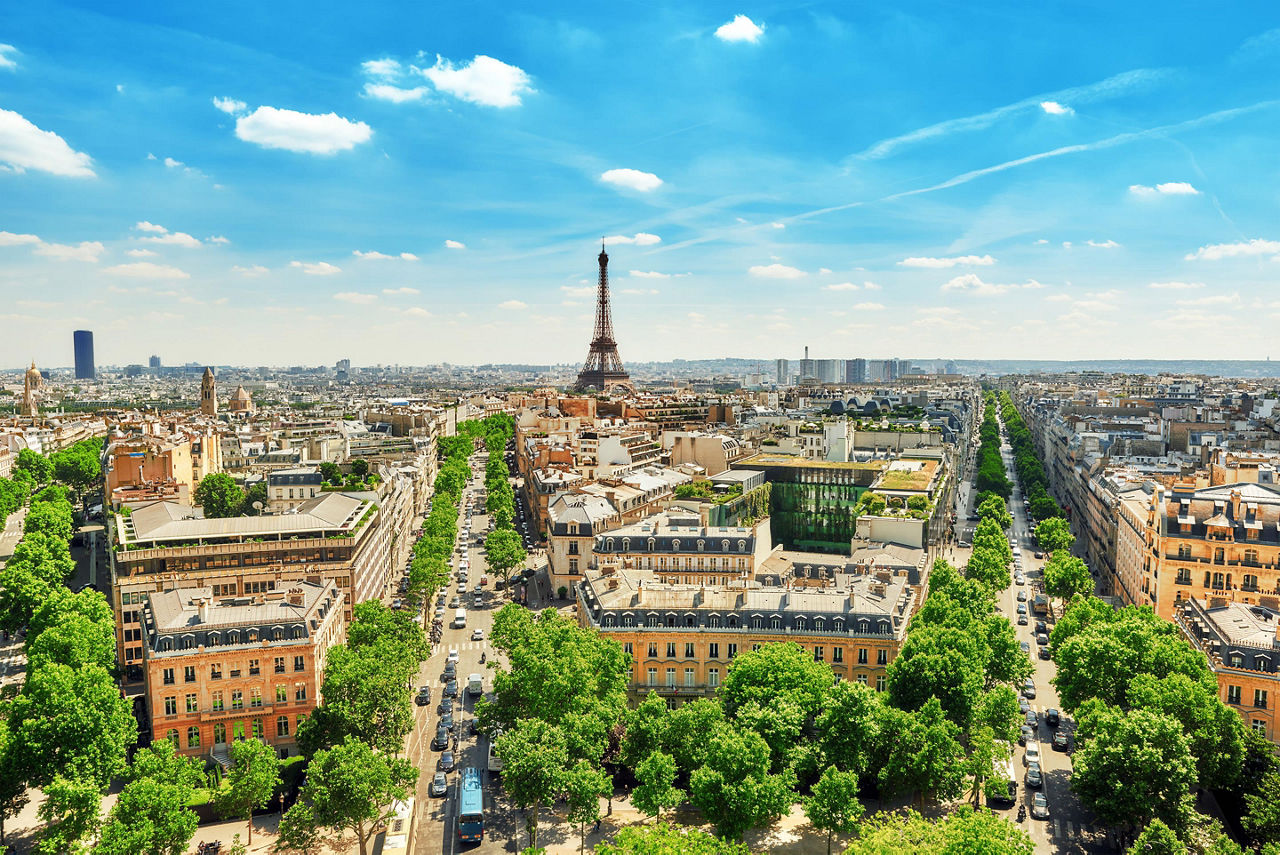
(202, 609)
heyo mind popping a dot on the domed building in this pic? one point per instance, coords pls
(241, 401)
(32, 383)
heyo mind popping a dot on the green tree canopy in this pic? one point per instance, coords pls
(535, 758)
(994, 508)
(1157, 839)
(37, 466)
(833, 805)
(964, 832)
(583, 786)
(924, 755)
(366, 695)
(353, 787)
(250, 782)
(1065, 576)
(151, 814)
(655, 790)
(51, 518)
(503, 551)
(1054, 534)
(734, 788)
(219, 496)
(849, 726)
(1215, 731)
(664, 839)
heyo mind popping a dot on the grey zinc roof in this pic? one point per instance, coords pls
(178, 609)
(175, 521)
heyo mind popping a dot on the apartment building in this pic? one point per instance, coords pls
(1242, 643)
(164, 545)
(682, 637)
(678, 548)
(224, 669)
(290, 488)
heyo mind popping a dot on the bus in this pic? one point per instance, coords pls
(470, 806)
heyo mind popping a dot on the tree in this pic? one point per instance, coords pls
(584, 786)
(1262, 810)
(329, 471)
(1081, 611)
(219, 496)
(833, 806)
(1065, 576)
(13, 777)
(69, 813)
(1157, 839)
(534, 757)
(734, 789)
(686, 733)
(994, 508)
(1132, 767)
(849, 726)
(1043, 508)
(250, 782)
(79, 466)
(960, 833)
(503, 551)
(351, 786)
(943, 664)
(924, 755)
(374, 622)
(151, 814)
(49, 518)
(366, 695)
(998, 710)
(360, 468)
(298, 831)
(655, 776)
(775, 672)
(37, 466)
(256, 493)
(1054, 534)
(73, 722)
(664, 839)
(76, 640)
(1214, 730)
(984, 752)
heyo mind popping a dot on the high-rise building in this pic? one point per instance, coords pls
(83, 341)
(782, 369)
(855, 370)
(830, 370)
(808, 368)
(154, 363)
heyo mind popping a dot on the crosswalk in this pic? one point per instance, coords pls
(1072, 830)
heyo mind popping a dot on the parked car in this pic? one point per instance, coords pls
(1041, 627)
(424, 696)
(1026, 648)
(1022, 595)
(1051, 717)
(1033, 720)
(446, 706)
(451, 689)
(439, 785)
(1039, 805)
(1061, 742)
(1044, 653)
(1042, 638)
(446, 721)
(1022, 620)
(1033, 776)
(1024, 705)
(1029, 689)
(441, 740)
(450, 671)
(445, 763)
(1026, 735)
(1031, 754)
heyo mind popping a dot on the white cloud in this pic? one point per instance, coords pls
(632, 179)
(395, 94)
(85, 251)
(871, 286)
(386, 69)
(1176, 286)
(355, 297)
(230, 106)
(371, 255)
(417, 312)
(777, 225)
(1041, 242)
(1212, 300)
(5, 60)
(319, 268)
(484, 80)
(171, 163)
(454, 244)
(408, 256)
(147, 270)
(1219, 251)
(579, 291)
(1171, 188)
(513, 304)
(971, 283)
(640, 239)
(11, 239)
(740, 29)
(641, 292)
(255, 270)
(403, 289)
(23, 146)
(311, 133)
(648, 274)
(219, 239)
(775, 271)
(142, 253)
(150, 227)
(1103, 244)
(842, 286)
(918, 261)
(1053, 108)
(868, 307)
(174, 239)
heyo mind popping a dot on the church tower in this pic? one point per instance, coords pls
(31, 384)
(208, 394)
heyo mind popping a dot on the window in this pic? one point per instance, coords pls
(688, 677)
(862, 656)
(671, 678)
(653, 676)
(1184, 552)
(171, 705)
(626, 648)
(713, 677)
(1233, 695)
(300, 691)
(299, 663)
(688, 650)
(1184, 576)
(255, 698)
(882, 657)
(193, 737)
(193, 703)
(653, 650)
(757, 622)
(237, 699)
(1219, 581)
(651, 620)
(819, 624)
(573, 565)
(862, 678)
(1249, 582)
(168, 676)
(235, 672)
(215, 672)
(690, 620)
(713, 650)
(172, 736)
(714, 621)
(279, 664)
(801, 624)
(1235, 660)
(1259, 726)
(837, 654)
(215, 701)
(880, 683)
(817, 654)
(628, 620)
(257, 728)
(1260, 698)
(220, 733)
(1251, 557)
(282, 694)
(282, 726)
(189, 674)
(254, 670)
(733, 650)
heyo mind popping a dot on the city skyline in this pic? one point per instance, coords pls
(217, 186)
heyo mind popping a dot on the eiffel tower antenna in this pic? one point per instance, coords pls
(603, 369)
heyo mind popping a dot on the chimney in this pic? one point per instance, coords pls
(295, 596)
(202, 609)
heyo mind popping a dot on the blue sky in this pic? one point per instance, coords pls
(289, 183)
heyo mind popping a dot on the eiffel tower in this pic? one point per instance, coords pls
(603, 369)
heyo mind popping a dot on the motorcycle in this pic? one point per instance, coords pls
(482, 657)
(1022, 812)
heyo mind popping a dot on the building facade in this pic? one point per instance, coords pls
(224, 669)
(1242, 643)
(83, 342)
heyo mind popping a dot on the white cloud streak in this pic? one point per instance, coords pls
(484, 80)
(971, 283)
(640, 239)
(230, 106)
(632, 179)
(454, 244)
(307, 133)
(88, 251)
(319, 268)
(775, 271)
(24, 146)
(146, 270)
(1171, 188)
(1242, 249)
(355, 297)
(954, 261)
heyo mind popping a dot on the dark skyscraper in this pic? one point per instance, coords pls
(84, 355)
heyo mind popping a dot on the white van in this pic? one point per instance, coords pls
(475, 685)
(459, 618)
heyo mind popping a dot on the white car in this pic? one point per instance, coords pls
(1032, 754)
(453, 656)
